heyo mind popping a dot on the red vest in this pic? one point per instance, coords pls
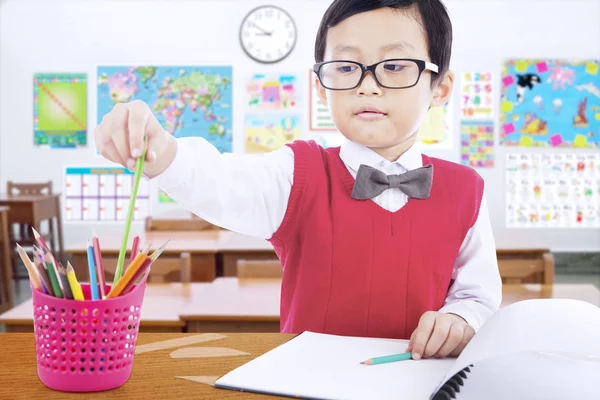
(353, 268)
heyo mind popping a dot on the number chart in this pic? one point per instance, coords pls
(477, 96)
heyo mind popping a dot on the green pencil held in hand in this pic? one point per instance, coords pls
(388, 359)
(139, 167)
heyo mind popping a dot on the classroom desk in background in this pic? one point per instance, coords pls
(32, 210)
(153, 375)
(201, 245)
(235, 246)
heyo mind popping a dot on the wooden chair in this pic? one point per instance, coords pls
(164, 269)
(22, 233)
(193, 224)
(526, 266)
(248, 269)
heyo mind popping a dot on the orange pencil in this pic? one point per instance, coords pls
(128, 275)
(144, 269)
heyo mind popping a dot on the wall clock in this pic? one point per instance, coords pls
(268, 34)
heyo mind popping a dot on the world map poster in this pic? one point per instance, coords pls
(187, 100)
(550, 103)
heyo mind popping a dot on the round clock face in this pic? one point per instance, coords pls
(268, 34)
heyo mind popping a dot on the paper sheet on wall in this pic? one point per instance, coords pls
(60, 110)
(477, 143)
(266, 92)
(320, 119)
(102, 194)
(188, 101)
(265, 133)
(477, 96)
(557, 190)
(550, 103)
(435, 130)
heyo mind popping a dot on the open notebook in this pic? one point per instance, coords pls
(534, 349)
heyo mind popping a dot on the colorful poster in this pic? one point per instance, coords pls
(320, 119)
(435, 128)
(60, 110)
(188, 101)
(163, 197)
(272, 92)
(477, 143)
(265, 133)
(550, 103)
(553, 190)
(102, 194)
(477, 96)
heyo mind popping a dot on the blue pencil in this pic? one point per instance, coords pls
(92, 268)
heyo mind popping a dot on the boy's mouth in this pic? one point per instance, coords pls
(370, 113)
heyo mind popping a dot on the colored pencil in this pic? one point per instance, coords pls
(31, 270)
(40, 239)
(75, 286)
(65, 281)
(144, 270)
(134, 248)
(92, 269)
(139, 167)
(388, 359)
(41, 267)
(53, 275)
(99, 266)
(131, 271)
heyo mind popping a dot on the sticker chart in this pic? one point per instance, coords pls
(550, 103)
(559, 190)
(102, 194)
(477, 96)
(266, 92)
(477, 144)
(320, 119)
(265, 133)
(187, 101)
(60, 110)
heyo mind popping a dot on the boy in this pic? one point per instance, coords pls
(367, 249)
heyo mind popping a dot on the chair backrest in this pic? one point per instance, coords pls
(526, 266)
(194, 224)
(259, 269)
(24, 189)
(165, 269)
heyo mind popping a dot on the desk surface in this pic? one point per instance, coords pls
(154, 373)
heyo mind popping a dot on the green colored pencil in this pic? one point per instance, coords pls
(139, 167)
(388, 359)
(52, 274)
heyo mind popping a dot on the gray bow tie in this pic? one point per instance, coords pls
(371, 182)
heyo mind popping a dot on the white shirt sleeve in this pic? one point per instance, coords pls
(243, 193)
(477, 290)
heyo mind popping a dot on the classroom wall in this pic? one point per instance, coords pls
(76, 36)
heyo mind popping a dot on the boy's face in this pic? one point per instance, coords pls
(368, 38)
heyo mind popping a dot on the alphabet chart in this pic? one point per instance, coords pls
(477, 100)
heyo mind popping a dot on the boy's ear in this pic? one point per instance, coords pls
(443, 92)
(322, 93)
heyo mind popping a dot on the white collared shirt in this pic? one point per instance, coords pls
(249, 194)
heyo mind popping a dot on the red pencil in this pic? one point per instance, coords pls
(134, 248)
(99, 266)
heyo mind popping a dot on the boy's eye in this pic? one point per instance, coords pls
(394, 67)
(346, 68)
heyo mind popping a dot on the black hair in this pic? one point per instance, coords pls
(433, 17)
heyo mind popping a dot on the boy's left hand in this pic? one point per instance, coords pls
(439, 335)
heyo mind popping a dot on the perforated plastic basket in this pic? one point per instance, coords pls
(86, 346)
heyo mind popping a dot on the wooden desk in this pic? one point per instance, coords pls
(235, 246)
(6, 281)
(32, 209)
(153, 376)
(519, 266)
(160, 311)
(202, 247)
(235, 305)
(586, 292)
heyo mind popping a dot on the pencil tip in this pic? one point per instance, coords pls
(35, 233)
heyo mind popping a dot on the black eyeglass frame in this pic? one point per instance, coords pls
(423, 66)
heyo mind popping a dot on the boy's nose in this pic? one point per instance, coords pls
(369, 85)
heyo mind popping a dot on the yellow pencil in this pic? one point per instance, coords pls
(75, 286)
(31, 270)
(128, 275)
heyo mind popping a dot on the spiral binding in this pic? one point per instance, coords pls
(452, 386)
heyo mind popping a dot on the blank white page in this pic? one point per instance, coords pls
(322, 366)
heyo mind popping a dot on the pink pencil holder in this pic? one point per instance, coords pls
(86, 346)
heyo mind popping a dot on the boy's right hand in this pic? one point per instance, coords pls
(120, 138)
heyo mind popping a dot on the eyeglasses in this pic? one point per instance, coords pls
(395, 73)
